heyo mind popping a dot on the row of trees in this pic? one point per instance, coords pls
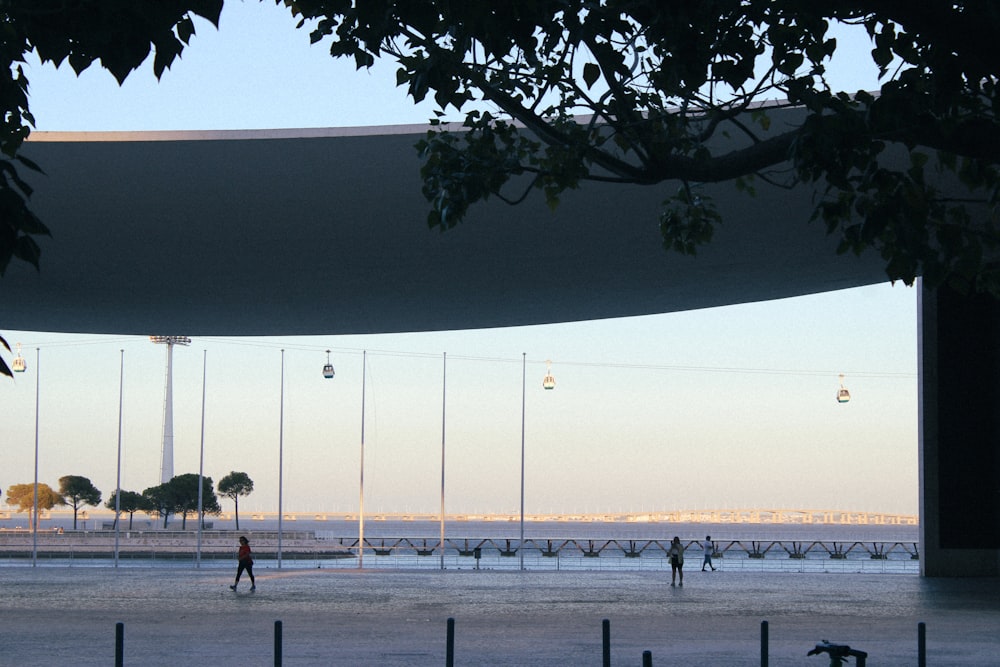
(178, 496)
(74, 491)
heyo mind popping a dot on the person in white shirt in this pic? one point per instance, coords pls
(709, 548)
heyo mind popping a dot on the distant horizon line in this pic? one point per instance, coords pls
(722, 516)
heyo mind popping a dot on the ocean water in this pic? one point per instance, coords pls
(603, 530)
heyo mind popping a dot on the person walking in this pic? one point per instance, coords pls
(709, 548)
(676, 560)
(245, 563)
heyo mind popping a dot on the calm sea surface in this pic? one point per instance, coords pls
(602, 530)
(532, 529)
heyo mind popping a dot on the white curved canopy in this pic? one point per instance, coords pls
(323, 232)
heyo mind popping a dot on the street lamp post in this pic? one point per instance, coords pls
(201, 456)
(281, 453)
(34, 511)
(118, 473)
(444, 377)
(520, 548)
(361, 485)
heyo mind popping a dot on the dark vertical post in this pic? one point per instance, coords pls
(763, 644)
(647, 659)
(921, 644)
(449, 659)
(606, 642)
(277, 644)
(119, 644)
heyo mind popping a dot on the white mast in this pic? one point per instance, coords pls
(167, 450)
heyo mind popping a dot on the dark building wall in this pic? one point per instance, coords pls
(960, 433)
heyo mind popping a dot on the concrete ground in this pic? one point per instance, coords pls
(175, 616)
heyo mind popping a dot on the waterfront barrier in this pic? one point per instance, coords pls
(308, 545)
(635, 548)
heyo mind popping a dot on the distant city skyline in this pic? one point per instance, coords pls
(720, 408)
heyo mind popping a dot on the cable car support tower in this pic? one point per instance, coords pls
(167, 450)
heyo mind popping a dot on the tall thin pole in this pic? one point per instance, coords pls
(167, 451)
(201, 458)
(281, 453)
(444, 377)
(34, 511)
(118, 474)
(524, 362)
(361, 499)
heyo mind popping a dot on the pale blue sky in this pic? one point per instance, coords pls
(724, 407)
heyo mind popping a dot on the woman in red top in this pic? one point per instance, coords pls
(246, 563)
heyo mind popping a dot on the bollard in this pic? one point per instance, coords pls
(647, 659)
(763, 644)
(449, 658)
(921, 644)
(606, 642)
(277, 644)
(119, 644)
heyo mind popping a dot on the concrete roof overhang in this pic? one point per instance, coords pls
(323, 232)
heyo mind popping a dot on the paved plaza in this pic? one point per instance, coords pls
(185, 616)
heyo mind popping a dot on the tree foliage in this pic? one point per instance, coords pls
(234, 485)
(4, 368)
(22, 496)
(130, 503)
(180, 496)
(663, 94)
(670, 94)
(186, 494)
(160, 501)
(78, 491)
(120, 34)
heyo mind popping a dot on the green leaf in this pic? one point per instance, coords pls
(790, 63)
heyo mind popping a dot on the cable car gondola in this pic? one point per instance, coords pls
(843, 396)
(328, 367)
(18, 364)
(548, 382)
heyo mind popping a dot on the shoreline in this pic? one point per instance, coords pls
(17, 544)
(721, 517)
